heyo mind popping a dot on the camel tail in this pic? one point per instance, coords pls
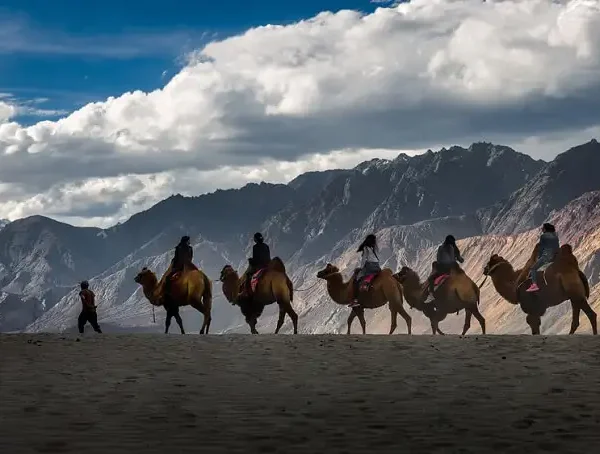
(585, 283)
(207, 294)
(291, 288)
(477, 291)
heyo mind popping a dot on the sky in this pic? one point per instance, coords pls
(107, 108)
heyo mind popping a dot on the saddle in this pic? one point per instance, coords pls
(366, 282)
(541, 277)
(439, 280)
(177, 274)
(254, 280)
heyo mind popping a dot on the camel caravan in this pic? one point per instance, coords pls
(550, 277)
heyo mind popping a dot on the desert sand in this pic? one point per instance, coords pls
(313, 394)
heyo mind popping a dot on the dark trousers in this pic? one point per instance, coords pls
(85, 317)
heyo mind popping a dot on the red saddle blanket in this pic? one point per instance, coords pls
(255, 278)
(366, 282)
(440, 280)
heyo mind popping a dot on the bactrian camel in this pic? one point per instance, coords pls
(190, 287)
(456, 293)
(561, 281)
(384, 289)
(273, 286)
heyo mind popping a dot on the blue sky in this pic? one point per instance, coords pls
(66, 53)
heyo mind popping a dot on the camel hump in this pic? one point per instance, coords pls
(566, 258)
(386, 272)
(276, 264)
(566, 249)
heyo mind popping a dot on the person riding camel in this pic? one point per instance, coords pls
(369, 264)
(548, 247)
(261, 256)
(183, 257)
(88, 309)
(447, 256)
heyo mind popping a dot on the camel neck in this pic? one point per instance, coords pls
(338, 289)
(505, 283)
(413, 292)
(230, 287)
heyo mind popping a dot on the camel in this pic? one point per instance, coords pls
(456, 293)
(191, 287)
(273, 286)
(562, 280)
(384, 290)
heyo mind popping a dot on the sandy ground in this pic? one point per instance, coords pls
(313, 394)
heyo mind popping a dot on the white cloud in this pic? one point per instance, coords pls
(7, 111)
(413, 76)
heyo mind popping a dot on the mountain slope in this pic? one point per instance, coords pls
(578, 224)
(412, 202)
(381, 193)
(571, 174)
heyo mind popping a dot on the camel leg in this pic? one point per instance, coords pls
(434, 328)
(285, 303)
(393, 319)
(252, 323)
(575, 321)
(591, 315)
(280, 319)
(206, 317)
(407, 318)
(168, 321)
(467, 325)
(351, 318)
(479, 318)
(205, 324)
(360, 313)
(178, 320)
(534, 321)
(396, 309)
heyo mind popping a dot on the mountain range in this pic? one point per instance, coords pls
(491, 197)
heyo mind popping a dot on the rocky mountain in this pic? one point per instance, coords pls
(319, 217)
(571, 174)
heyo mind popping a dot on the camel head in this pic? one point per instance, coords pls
(494, 262)
(406, 274)
(327, 271)
(227, 273)
(146, 278)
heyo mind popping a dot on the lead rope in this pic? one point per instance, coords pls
(485, 279)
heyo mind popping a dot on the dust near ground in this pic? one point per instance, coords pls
(313, 394)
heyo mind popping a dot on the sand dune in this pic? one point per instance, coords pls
(312, 394)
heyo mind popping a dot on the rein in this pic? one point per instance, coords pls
(489, 273)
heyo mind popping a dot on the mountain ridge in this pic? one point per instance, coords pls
(411, 201)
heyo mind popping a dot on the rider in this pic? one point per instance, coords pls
(447, 256)
(548, 247)
(369, 264)
(182, 258)
(88, 309)
(261, 256)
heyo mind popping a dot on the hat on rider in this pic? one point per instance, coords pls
(258, 237)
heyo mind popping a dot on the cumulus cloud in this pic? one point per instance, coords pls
(415, 75)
